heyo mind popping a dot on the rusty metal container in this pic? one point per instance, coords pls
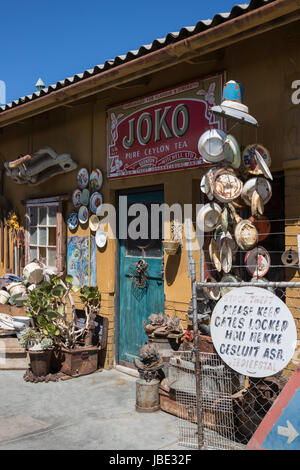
(79, 361)
(147, 396)
(40, 362)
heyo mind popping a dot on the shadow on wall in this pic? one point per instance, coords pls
(172, 267)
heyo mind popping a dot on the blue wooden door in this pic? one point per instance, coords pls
(139, 296)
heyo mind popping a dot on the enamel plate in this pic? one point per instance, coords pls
(85, 197)
(250, 158)
(83, 178)
(83, 214)
(76, 198)
(96, 202)
(101, 238)
(72, 220)
(96, 179)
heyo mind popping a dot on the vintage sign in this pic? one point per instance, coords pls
(253, 331)
(280, 428)
(160, 132)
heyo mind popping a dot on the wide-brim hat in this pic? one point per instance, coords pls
(227, 186)
(226, 256)
(246, 234)
(209, 216)
(213, 293)
(211, 144)
(236, 111)
(227, 278)
(258, 261)
(214, 254)
(261, 185)
(232, 152)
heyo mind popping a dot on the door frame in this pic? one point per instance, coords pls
(124, 192)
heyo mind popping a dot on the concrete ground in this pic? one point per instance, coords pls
(92, 412)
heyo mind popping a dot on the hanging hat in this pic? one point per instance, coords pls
(289, 258)
(257, 205)
(209, 216)
(227, 186)
(212, 293)
(259, 184)
(258, 261)
(257, 161)
(214, 254)
(210, 145)
(246, 234)
(232, 105)
(228, 278)
(232, 152)
(226, 255)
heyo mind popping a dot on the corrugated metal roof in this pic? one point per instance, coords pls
(159, 43)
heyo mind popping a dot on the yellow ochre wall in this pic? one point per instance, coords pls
(266, 65)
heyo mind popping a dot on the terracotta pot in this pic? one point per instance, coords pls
(40, 362)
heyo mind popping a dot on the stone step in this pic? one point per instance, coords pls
(12, 356)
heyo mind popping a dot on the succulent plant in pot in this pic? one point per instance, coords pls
(39, 348)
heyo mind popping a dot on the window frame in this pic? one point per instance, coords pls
(60, 229)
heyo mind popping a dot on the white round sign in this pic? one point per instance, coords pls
(253, 331)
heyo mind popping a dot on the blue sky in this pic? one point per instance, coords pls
(56, 39)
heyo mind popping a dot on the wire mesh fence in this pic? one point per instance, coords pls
(232, 405)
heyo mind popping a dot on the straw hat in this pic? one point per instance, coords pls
(213, 293)
(214, 254)
(232, 105)
(226, 255)
(259, 184)
(246, 234)
(227, 186)
(257, 205)
(228, 278)
(210, 145)
(209, 216)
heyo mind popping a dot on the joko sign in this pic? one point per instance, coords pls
(2, 92)
(160, 132)
(253, 331)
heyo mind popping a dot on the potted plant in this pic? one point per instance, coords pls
(48, 304)
(39, 349)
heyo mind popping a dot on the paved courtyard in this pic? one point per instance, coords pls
(92, 412)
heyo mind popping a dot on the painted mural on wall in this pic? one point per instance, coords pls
(160, 132)
(82, 265)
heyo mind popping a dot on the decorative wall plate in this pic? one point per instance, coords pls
(72, 220)
(96, 179)
(76, 198)
(85, 197)
(101, 238)
(95, 202)
(210, 145)
(83, 178)
(83, 214)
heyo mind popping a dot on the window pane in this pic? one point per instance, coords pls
(52, 236)
(52, 215)
(42, 236)
(43, 216)
(51, 261)
(42, 255)
(33, 236)
(33, 253)
(33, 216)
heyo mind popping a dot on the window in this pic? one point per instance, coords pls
(45, 233)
